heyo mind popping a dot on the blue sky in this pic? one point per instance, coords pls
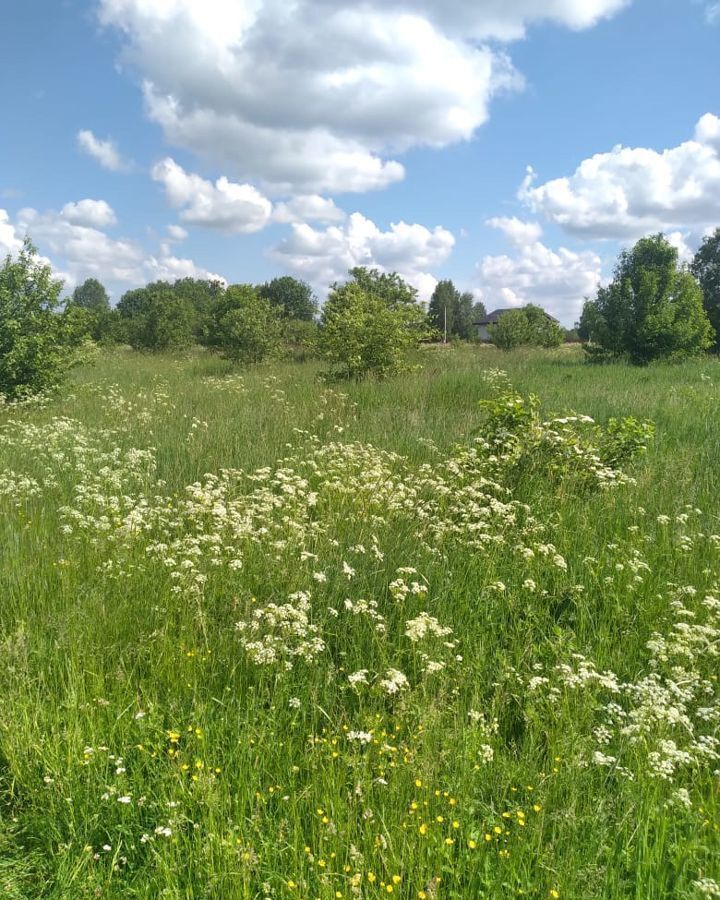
(306, 137)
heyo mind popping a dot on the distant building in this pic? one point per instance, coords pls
(493, 318)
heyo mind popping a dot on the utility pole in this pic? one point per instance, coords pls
(445, 338)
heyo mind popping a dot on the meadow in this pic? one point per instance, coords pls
(266, 637)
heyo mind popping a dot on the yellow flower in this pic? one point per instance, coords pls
(418, 783)
(449, 841)
(422, 895)
(537, 807)
(423, 828)
(497, 829)
(472, 844)
(371, 877)
(396, 879)
(554, 894)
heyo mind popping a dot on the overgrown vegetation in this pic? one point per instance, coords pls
(427, 637)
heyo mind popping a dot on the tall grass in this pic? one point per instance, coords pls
(212, 693)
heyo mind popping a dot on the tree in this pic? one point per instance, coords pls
(588, 321)
(706, 268)
(292, 298)
(90, 295)
(529, 326)
(246, 328)
(201, 295)
(157, 318)
(36, 341)
(389, 287)
(364, 333)
(444, 307)
(651, 309)
(464, 316)
(511, 330)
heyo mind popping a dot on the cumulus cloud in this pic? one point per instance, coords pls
(103, 151)
(516, 230)
(628, 192)
(320, 95)
(308, 208)
(321, 256)
(177, 233)
(76, 249)
(225, 205)
(557, 280)
(93, 213)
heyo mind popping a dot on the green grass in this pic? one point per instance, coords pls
(123, 673)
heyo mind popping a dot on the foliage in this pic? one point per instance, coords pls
(651, 309)
(366, 333)
(264, 638)
(389, 287)
(292, 298)
(447, 301)
(157, 318)
(201, 295)
(91, 294)
(299, 339)
(706, 268)
(247, 328)
(528, 326)
(37, 343)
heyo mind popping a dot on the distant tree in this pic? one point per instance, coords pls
(511, 330)
(201, 294)
(158, 319)
(292, 298)
(528, 326)
(706, 268)
(588, 320)
(247, 328)
(464, 317)
(444, 308)
(90, 295)
(651, 309)
(364, 333)
(36, 342)
(299, 338)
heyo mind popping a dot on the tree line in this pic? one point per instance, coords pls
(653, 308)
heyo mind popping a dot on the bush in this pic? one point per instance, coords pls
(158, 319)
(37, 343)
(529, 326)
(363, 333)
(246, 328)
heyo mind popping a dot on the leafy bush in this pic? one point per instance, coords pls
(158, 319)
(37, 343)
(246, 327)
(364, 333)
(529, 326)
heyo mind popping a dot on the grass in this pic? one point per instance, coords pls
(178, 718)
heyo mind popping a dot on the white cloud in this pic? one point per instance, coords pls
(557, 280)
(79, 251)
(712, 13)
(10, 240)
(308, 208)
(516, 230)
(314, 96)
(104, 152)
(225, 205)
(323, 256)
(93, 213)
(177, 233)
(629, 192)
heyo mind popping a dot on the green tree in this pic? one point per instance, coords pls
(528, 326)
(36, 341)
(201, 295)
(364, 333)
(464, 317)
(444, 307)
(389, 287)
(588, 321)
(90, 295)
(706, 268)
(292, 298)
(247, 328)
(158, 319)
(651, 309)
(511, 330)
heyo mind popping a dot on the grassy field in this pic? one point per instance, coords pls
(266, 638)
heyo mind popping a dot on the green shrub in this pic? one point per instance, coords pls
(37, 342)
(246, 327)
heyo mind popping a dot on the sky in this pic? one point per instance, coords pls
(515, 146)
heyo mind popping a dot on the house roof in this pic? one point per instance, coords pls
(493, 317)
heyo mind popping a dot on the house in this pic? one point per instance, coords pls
(493, 318)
